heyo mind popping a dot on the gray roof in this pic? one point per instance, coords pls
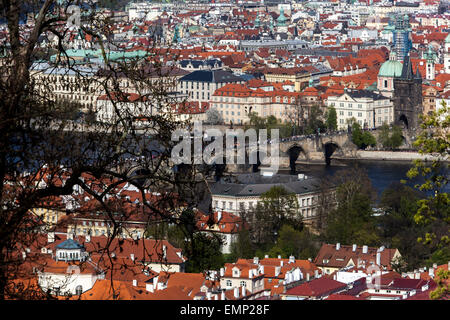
(255, 184)
(198, 63)
(356, 94)
(214, 76)
(69, 244)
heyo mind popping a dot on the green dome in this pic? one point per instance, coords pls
(447, 40)
(391, 68)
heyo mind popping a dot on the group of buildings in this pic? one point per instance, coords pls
(375, 62)
(71, 255)
(78, 267)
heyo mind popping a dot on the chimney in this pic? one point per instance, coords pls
(236, 292)
(291, 259)
(250, 273)
(222, 272)
(134, 283)
(338, 246)
(307, 276)
(354, 247)
(365, 249)
(379, 258)
(281, 263)
(222, 295)
(219, 216)
(132, 256)
(279, 257)
(164, 248)
(434, 265)
(51, 237)
(266, 256)
(277, 271)
(261, 269)
(88, 238)
(255, 260)
(70, 235)
(149, 287)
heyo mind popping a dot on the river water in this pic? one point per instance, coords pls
(381, 173)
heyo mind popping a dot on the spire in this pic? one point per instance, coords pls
(407, 70)
(418, 74)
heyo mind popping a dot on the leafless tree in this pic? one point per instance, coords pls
(45, 154)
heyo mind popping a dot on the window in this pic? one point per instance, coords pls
(229, 283)
(242, 284)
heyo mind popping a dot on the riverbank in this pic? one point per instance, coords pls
(394, 156)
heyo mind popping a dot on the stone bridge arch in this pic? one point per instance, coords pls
(294, 152)
(330, 148)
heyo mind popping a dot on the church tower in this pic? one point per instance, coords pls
(430, 56)
(447, 54)
(408, 96)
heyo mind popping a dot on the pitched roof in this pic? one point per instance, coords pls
(317, 288)
(341, 258)
(213, 76)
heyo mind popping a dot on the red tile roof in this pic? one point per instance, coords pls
(317, 288)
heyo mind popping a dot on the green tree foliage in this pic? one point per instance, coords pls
(441, 279)
(300, 244)
(352, 221)
(202, 249)
(242, 248)
(205, 253)
(314, 122)
(434, 138)
(256, 122)
(277, 207)
(390, 138)
(397, 228)
(331, 121)
(362, 139)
